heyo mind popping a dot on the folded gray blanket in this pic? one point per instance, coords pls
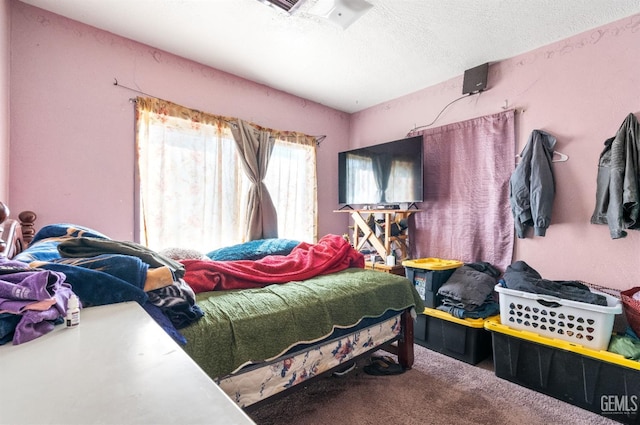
(470, 285)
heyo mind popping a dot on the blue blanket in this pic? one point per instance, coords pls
(109, 278)
(253, 250)
(44, 246)
(104, 279)
(99, 280)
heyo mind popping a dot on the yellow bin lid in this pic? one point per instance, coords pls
(493, 324)
(432, 264)
(472, 323)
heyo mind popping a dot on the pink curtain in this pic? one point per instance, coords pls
(466, 214)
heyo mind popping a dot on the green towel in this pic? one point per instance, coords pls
(625, 346)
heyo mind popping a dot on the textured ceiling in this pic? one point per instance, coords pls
(396, 48)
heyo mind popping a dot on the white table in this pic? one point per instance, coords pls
(116, 367)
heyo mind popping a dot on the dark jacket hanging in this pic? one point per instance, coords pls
(532, 186)
(618, 185)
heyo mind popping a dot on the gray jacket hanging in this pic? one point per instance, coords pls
(618, 187)
(532, 185)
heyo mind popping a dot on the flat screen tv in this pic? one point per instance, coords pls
(384, 175)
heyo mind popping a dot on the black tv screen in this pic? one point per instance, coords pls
(386, 174)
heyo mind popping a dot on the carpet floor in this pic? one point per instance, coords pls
(437, 390)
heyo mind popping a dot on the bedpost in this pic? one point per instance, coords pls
(12, 240)
(15, 235)
(405, 344)
(403, 347)
(27, 220)
(4, 213)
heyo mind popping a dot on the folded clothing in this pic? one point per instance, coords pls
(470, 285)
(488, 309)
(468, 293)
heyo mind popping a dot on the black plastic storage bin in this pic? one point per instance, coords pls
(428, 275)
(599, 381)
(463, 339)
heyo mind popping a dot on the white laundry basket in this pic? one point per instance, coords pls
(589, 325)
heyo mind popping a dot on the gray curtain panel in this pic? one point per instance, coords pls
(255, 147)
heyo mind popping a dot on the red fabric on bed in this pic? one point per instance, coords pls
(332, 253)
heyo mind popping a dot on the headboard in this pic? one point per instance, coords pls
(15, 235)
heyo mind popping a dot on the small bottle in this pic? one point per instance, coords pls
(391, 260)
(73, 312)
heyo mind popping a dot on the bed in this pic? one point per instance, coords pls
(256, 337)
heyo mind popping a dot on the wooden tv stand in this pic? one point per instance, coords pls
(382, 267)
(381, 243)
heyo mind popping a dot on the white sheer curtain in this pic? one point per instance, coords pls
(193, 192)
(291, 180)
(192, 187)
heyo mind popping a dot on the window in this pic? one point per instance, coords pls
(291, 180)
(193, 190)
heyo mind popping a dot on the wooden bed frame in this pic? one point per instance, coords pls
(15, 236)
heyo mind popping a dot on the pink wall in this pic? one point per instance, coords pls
(72, 131)
(580, 90)
(73, 144)
(4, 99)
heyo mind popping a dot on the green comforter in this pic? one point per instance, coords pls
(253, 325)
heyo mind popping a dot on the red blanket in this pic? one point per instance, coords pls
(332, 253)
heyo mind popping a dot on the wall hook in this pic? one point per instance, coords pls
(561, 157)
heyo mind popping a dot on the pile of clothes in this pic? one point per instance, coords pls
(522, 277)
(65, 260)
(468, 293)
(32, 301)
